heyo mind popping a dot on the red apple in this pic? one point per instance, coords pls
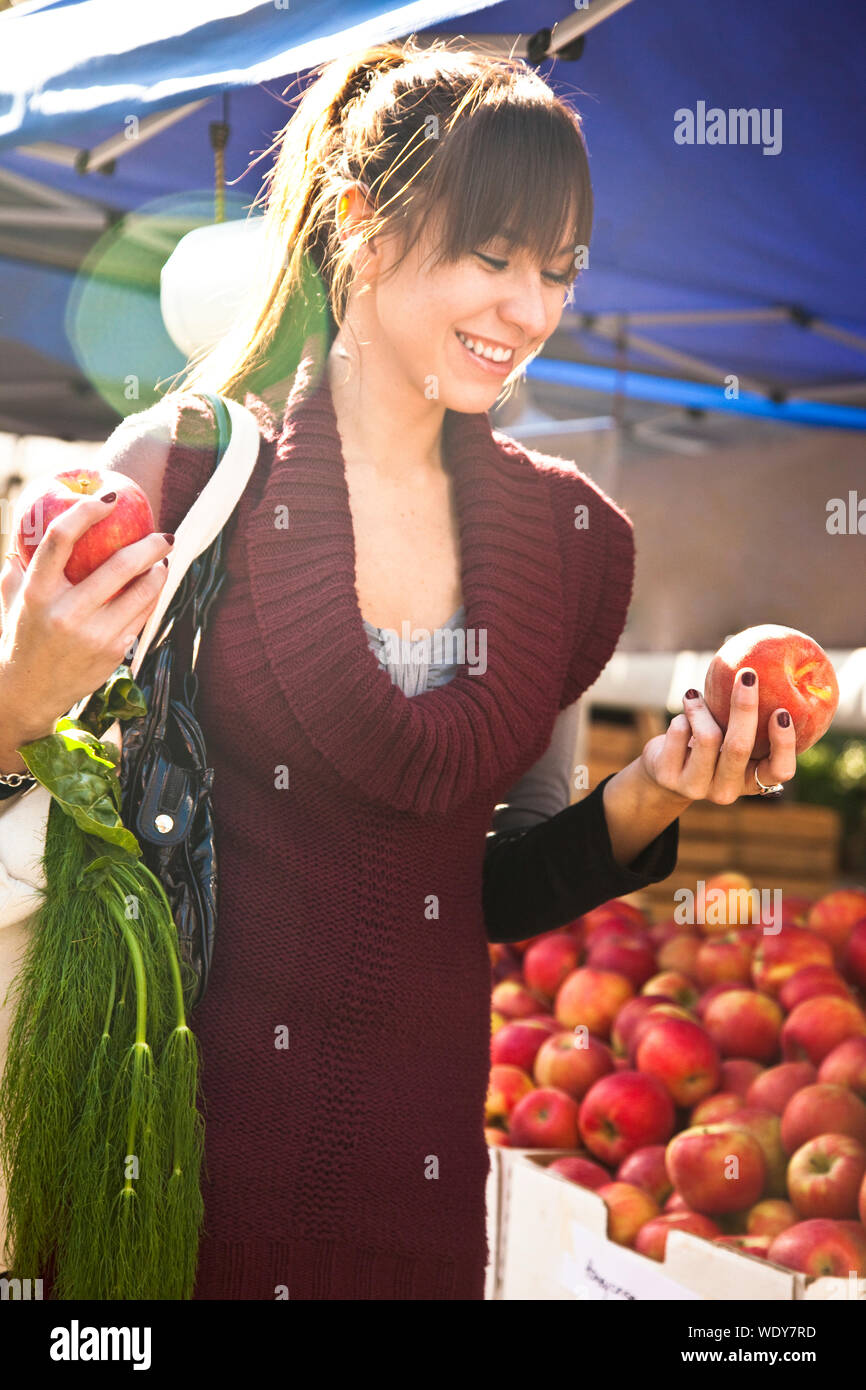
(615, 911)
(646, 1168)
(793, 672)
(824, 1177)
(626, 1021)
(580, 1170)
(766, 1127)
(816, 1026)
(727, 903)
(630, 956)
(770, 1217)
(680, 954)
(652, 1238)
(513, 999)
(846, 1066)
(496, 1138)
(774, 1088)
(544, 1119)
(506, 1087)
(683, 1056)
(717, 1170)
(822, 1247)
(738, 1073)
(854, 963)
(809, 982)
(653, 1016)
(749, 1245)
(504, 963)
(778, 957)
(673, 985)
(713, 992)
(795, 909)
(45, 497)
(548, 961)
(675, 1202)
(861, 1205)
(518, 1042)
(572, 1062)
(624, 1112)
(822, 1109)
(743, 1023)
(497, 1021)
(835, 915)
(724, 959)
(629, 1208)
(591, 999)
(660, 932)
(715, 1107)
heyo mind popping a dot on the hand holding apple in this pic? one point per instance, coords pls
(60, 641)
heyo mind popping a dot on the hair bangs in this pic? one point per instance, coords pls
(518, 172)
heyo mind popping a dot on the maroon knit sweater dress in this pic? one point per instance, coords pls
(345, 1031)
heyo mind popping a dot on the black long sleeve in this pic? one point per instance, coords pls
(544, 876)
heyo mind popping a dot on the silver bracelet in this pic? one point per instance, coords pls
(15, 779)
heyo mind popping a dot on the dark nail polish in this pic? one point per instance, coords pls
(691, 695)
(168, 536)
(108, 497)
(165, 559)
(784, 719)
(749, 678)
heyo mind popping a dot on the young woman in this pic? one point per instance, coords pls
(424, 217)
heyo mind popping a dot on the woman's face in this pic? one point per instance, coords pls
(419, 319)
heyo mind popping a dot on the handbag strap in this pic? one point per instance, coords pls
(239, 449)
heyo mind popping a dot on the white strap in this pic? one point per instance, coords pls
(207, 516)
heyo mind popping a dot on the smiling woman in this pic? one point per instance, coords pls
(425, 214)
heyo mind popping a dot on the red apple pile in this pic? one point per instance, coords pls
(702, 1078)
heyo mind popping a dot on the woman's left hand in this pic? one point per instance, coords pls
(697, 759)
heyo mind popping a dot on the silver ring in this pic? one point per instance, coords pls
(775, 790)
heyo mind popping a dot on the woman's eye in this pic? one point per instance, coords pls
(498, 264)
(491, 260)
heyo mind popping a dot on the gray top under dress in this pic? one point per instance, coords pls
(541, 792)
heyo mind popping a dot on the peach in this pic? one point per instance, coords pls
(592, 999)
(814, 1028)
(794, 673)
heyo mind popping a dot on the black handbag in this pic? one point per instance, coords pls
(165, 780)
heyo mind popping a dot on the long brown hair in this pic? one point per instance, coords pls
(485, 139)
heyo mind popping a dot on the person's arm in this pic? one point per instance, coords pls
(547, 862)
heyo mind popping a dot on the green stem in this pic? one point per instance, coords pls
(140, 1014)
(108, 1012)
(171, 942)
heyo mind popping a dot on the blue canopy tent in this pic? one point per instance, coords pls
(725, 152)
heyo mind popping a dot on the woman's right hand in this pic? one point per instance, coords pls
(61, 641)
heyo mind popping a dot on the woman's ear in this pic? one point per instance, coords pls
(354, 207)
